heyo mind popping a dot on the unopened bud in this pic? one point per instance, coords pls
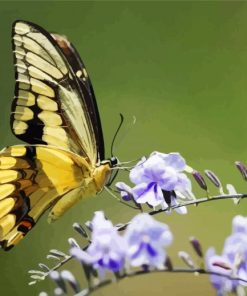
(200, 180)
(168, 263)
(187, 259)
(213, 178)
(196, 246)
(78, 227)
(242, 168)
(55, 276)
(67, 275)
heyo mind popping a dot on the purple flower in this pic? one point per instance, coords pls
(107, 250)
(125, 191)
(221, 265)
(235, 250)
(233, 261)
(158, 179)
(145, 239)
(163, 169)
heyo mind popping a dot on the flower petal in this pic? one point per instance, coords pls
(183, 183)
(148, 193)
(239, 224)
(173, 159)
(125, 191)
(81, 255)
(146, 239)
(176, 161)
(169, 179)
(121, 186)
(181, 210)
(136, 173)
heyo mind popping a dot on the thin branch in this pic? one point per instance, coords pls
(57, 266)
(142, 272)
(196, 202)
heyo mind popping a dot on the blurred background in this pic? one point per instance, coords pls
(181, 69)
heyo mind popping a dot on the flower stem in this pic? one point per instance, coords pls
(147, 271)
(202, 200)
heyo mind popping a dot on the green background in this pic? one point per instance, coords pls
(181, 69)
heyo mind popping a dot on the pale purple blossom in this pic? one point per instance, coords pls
(146, 241)
(221, 265)
(163, 169)
(125, 191)
(107, 250)
(233, 260)
(143, 243)
(156, 180)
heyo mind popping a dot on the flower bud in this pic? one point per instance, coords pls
(200, 180)
(213, 178)
(242, 168)
(68, 276)
(55, 276)
(73, 242)
(58, 253)
(44, 267)
(168, 263)
(77, 227)
(187, 259)
(196, 246)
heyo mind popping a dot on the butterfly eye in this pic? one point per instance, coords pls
(113, 161)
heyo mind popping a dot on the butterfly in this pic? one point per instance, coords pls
(55, 112)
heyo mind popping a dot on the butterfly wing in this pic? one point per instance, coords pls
(32, 179)
(86, 87)
(55, 110)
(52, 105)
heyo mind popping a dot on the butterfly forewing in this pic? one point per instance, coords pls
(86, 88)
(53, 104)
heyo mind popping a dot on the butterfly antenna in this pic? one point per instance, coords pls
(116, 133)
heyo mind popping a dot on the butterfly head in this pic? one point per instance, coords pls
(111, 173)
(111, 162)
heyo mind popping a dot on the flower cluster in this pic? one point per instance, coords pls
(139, 246)
(158, 180)
(232, 263)
(143, 244)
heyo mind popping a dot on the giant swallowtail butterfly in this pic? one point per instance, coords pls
(55, 112)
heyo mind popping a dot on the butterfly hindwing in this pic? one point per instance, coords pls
(32, 179)
(51, 105)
